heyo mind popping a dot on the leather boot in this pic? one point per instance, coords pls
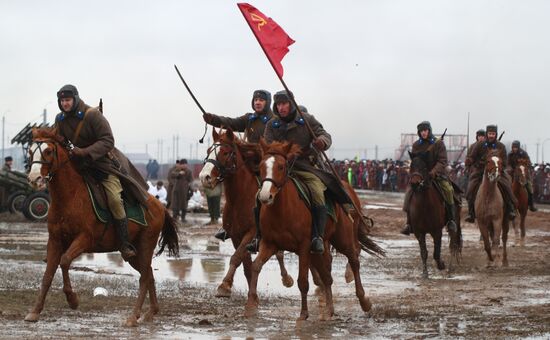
(471, 213)
(451, 218)
(254, 245)
(222, 235)
(127, 250)
(511, 210)
(530, 200)
(319, 218)
(407, 229)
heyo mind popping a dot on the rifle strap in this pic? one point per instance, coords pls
(79, 126)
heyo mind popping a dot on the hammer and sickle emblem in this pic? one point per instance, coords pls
(261, 21)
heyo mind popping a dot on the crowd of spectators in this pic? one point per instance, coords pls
(391, 175)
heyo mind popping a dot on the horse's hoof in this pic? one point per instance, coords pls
(148, 317)
(441, 265)
(425, 275)
(288, 281)
(250, 311)
(72, 299)
(365, 303)
(303, 316)
(32, 317)
(131, 321)
(223, 291)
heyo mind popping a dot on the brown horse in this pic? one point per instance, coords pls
(234, 162)
(73, 228)
(491, 218)
(427, 214)
(519, 180)
(285, 223)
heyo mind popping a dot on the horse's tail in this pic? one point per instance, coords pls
(169, 236)
(367, 244)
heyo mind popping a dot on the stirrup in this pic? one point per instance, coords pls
(533, 208)
(221, 235)
(128, 252)
(406, 230)
(253, 246)
(451, 226)
(317, 246)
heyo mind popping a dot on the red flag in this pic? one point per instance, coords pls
(270, 35)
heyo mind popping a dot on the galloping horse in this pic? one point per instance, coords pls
(285, 223)
(427, 214)
(73, 228)
(519, 180)
(491, 218)
(229, 160)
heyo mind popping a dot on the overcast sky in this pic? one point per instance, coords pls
(368, 70)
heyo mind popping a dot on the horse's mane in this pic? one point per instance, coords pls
(251, 154)
(284, 149)
(47, 133)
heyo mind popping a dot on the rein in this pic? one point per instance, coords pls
(52, 170)
(223, 170)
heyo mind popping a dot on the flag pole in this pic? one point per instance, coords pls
(311, 132)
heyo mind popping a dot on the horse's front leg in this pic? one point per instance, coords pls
(224, 289)
(77, 247)
(303, 281)
(505, 229)
(53, 258)
(423, 254)
(287, 280)
(266, 251)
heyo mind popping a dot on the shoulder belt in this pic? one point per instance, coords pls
(80, 125)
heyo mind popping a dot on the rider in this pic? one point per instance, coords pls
(476, 160)
(514, 156)
(437, 152)
(287, 125)
(90, 133)
(252, 124)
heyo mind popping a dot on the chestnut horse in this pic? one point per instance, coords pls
(519, 180)
(285, 223)
(229, 160)
(427, 214)
(73, 228)
(491, 217)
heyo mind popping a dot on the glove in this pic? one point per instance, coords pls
(79, 152)
(318, 144)
(208, 118)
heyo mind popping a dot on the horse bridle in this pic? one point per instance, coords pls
(223, 170)
(289, 166)
(52, 170)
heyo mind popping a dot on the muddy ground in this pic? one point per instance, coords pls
(472, 302)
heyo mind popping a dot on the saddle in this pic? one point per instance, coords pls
(134, 211)
(457, 192)
(305, 195)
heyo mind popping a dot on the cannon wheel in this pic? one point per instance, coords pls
(36, 206)
(16, 201)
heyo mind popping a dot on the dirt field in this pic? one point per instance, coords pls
(472, 302)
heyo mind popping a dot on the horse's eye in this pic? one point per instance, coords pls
(281, 167)
(47, 152)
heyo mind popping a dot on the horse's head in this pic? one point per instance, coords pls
(221, 160)
(46, 154)
(274, 167)
(493, 166)
(520, 172)
(419, 177)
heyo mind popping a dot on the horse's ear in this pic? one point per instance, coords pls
(230, 135)
(264, 146)
(215, 134)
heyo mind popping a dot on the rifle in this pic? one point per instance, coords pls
(444, 133)
(502, 134)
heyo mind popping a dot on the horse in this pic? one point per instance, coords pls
(285, 223)
(73, 228)
(229, 160)
(491, 217)
(519, 180)
(427, 214)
